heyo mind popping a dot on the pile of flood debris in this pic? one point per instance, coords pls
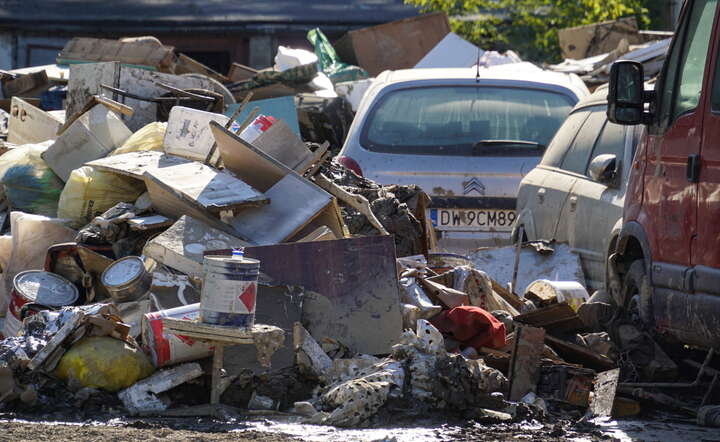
(169, 251)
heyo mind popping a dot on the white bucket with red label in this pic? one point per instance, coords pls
(166, 348)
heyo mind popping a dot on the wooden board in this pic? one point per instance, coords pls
(29, 124)
(142, 53)
(135, 164)
(605, 387)
(579, 355)
(556, 318)
(352, 291)
(281, 143)
(209, 332)
(525, 361)
(399, 44)
(181, 246)
(239, 72)
(202, 187)
(188, 65)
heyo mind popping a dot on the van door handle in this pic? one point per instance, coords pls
(692, 170)
(573, 203)
(541, 195)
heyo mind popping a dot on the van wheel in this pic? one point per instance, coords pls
(637, 293)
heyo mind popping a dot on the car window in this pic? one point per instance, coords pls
(578, 156)
(610, 141)
(686, 63)
(454, 120)
(564, 138)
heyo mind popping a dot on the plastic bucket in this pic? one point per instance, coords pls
(167, 349)
(229, 291)
(38, 287)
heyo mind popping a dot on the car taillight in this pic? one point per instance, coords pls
(350, 164)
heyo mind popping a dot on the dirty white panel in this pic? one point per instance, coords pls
(498, 263)
(188, 133)
(92, 136)
(135, 164)
(29, 124)
(86, 80)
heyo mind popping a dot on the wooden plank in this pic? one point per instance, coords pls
(25, 84)
(579, 355)
(146, 52)
(556, 318)
(135, 164)
(508, 296)
(604, 393)
(240, 72)
(29, 124)
(281, 143)
(55, 342)
(210, 332)
(181, 246)
(188, 65)
(525, 361)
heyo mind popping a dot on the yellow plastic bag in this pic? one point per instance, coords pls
(149, 137)
(104, 362)
(90, 192)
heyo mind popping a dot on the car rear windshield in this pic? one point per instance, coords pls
(465, 120)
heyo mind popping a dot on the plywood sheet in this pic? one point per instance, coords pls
(29, 124)
(188, 132)
(135, 164)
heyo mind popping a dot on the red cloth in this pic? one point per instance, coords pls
(472, 326)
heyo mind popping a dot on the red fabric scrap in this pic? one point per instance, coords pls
(471, 326)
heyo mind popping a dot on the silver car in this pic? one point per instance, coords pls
(466, 136)
(576, 194)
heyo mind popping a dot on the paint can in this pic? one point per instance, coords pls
(571, 292)
(229, 290)
(167, 349)
(37, 287)
(127, 279)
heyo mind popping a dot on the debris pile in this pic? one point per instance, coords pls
(160, 235)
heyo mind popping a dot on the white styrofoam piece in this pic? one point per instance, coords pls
(188, 133)
(451, 52)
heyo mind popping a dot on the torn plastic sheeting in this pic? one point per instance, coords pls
(411, 293)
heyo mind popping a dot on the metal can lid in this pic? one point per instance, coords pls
(123, 271)
(46, 288)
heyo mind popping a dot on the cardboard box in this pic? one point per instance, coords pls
(599, 38)
(399, 44)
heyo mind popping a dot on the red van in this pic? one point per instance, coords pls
(666, 265)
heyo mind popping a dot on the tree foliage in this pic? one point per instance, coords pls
(529, 27)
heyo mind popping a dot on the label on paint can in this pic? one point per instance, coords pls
(12, 326)
(228, 296)
(167, 348)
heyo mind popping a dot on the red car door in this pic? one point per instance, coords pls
(705, 252)
(674, 145)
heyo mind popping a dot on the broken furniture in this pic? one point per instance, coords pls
(266, 338)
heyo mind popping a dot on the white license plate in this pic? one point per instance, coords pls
(491, 220)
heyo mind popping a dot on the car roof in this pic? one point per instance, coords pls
(521, 72)
(599, 97)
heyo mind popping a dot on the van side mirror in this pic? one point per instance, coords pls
(626, 94)
(603, 168)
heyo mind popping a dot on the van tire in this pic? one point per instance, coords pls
(637, 292)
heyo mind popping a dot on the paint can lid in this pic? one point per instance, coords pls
(46, 288)
(123, 271)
